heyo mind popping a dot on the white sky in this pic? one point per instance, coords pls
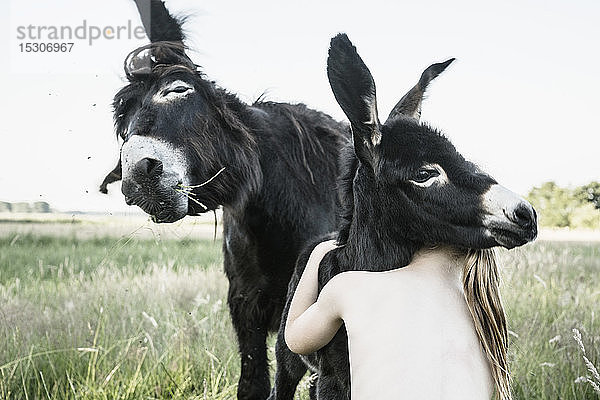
(522, 100)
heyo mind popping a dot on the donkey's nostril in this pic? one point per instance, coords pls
(150, 166)
(524, 215)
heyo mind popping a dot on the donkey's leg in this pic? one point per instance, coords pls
(250, 306)
(250, 315)
(290, 370)
(250, 324)
(330, 388)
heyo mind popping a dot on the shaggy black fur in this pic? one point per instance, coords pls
(385, 216)
(277, 191)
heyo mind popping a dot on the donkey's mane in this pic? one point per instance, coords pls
(348, 165)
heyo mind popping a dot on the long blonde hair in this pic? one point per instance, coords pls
(481, 288)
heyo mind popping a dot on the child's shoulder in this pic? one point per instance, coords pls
(370, 281)
(348, 277)
(351, 279)
(351, 291)
(342, 282)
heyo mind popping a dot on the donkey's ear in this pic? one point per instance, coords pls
(409, 105)
(354, 90)
(160, 25)
(166, 37)
(113, 176)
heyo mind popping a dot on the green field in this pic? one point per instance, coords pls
(137, 318)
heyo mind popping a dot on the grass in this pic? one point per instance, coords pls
(109, 318)
(551, 288)
(46, 258)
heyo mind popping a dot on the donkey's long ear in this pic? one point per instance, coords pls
(409, 105)
(160, 25)
(113, 176)
(354, 90)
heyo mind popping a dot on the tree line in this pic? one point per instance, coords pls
(564, 207)
(23, 207)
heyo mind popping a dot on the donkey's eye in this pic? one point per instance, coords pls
(173, 91)
(429, 174)
(425, 174)
(178, 89)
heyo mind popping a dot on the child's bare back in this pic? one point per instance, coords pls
(410, 333)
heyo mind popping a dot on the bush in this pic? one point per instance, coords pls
(567, 208)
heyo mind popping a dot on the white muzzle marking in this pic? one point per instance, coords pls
(175, 164)
(499, 203)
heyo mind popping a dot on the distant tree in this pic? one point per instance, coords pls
(21, 207)
(40, 207)
(585, 216)
(589, 192)
(553, 203)
(5, 207)
(564, 207)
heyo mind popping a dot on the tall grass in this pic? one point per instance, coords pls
(549, 289)
(95, 321)
(594, 377)
(110, 318)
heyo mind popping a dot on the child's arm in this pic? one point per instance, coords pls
(312, 322)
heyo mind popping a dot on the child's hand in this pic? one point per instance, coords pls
(319, 252)
(324, 247)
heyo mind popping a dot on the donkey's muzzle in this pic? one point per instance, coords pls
(147, 168)
(509, 218)
(145, 187)
(142, 181)
(153, 174)
(523, 215)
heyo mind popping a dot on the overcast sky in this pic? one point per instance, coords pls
(522, 100)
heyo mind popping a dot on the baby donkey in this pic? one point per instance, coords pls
(404, 190)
